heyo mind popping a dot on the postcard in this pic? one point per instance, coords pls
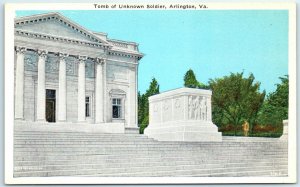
(150, 93)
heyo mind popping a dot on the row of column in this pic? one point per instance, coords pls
(62, 88)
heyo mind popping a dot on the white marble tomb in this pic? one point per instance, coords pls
(182, 114)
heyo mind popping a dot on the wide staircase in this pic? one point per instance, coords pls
(49, 154)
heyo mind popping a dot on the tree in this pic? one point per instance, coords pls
(143, 104)
(275, 107)
(236, 99)
(190, 80)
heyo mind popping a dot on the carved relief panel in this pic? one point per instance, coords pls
(178, 108)
(197, 108)
(167, 110)
(155, 111)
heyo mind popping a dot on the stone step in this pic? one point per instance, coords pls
(41, 157)
(142, 149)
(100, 149)
(38, 148)
(90, 139)
(148, 153)
(120, 168)
(123, 162)
(132, 130)
(194, 173)
(78, 137)
(42, 153)
(67, 139)
(162, 170)
(144, 141)
(24, 133)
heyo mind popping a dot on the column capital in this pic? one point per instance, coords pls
(20, 50)
(42, 53)
(100, 61)
(82, 59)
(62, 56)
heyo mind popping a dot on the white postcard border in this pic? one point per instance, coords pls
(9, 100)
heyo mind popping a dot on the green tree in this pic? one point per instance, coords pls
(275, 107)
(191, 81)
(143, 104)
(235, 99)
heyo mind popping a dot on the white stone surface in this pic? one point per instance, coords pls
(182, 114)
(71, 127)
(81, 89)
(62, 91)
(99, 92)
(41, 89)
(19, 92)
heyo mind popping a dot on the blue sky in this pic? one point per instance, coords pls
(211, 42)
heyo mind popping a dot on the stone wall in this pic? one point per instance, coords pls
(118, 77)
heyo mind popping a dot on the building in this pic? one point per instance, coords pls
(67, 74)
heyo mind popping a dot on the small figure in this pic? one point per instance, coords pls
(245, 128)
(203, 109)
(196, 108)
(190, 107)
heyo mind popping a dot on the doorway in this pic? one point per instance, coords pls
(50, 105)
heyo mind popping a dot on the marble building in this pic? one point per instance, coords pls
(66, 74)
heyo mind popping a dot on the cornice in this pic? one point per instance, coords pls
(62, 19)
(59, 39)
(128, 54)
(114, 47)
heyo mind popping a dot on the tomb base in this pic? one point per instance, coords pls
(184, 131)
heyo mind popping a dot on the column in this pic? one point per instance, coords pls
(19, 92)
(99, 115)
(81, 88)
(105, 93)
(62, 89)
(41, 90)
(131, 98)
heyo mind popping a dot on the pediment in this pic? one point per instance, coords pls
(57, 25)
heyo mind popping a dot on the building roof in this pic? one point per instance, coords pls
(55, 25)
